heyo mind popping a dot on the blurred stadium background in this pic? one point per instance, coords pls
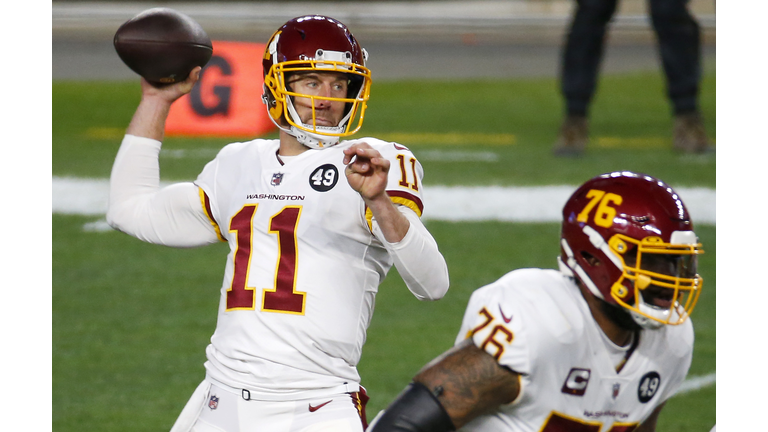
(130, 321)
(407, 39)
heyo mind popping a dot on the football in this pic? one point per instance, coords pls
(162, 45)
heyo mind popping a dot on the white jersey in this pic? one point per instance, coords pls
(536, 323)
(304, 265)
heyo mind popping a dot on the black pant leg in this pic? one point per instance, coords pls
(583, 53)
(678, 35)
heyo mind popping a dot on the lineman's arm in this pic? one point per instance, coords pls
(453, 389)
(414, 250)
(172, 216)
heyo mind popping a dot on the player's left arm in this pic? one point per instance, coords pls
(460, 385)
(649, 425)
(413, 249)
(367, 173)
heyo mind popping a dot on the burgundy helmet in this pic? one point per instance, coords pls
(629, 239)
(315, 43)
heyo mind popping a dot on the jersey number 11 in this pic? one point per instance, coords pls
(282, 298)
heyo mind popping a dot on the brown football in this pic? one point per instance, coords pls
(162, 45)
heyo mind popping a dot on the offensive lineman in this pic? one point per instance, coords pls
(595, 347)
(313, 226)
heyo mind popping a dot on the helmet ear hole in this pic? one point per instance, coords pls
(590, 259)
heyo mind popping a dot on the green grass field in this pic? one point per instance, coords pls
(131, 320)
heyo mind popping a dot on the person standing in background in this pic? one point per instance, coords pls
(678, 37)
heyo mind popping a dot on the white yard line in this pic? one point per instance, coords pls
(449, 203)
(696, 383)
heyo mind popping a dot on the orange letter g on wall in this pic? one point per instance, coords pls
(220, 89)
(227, 99)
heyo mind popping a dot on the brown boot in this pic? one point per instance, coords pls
(689, 135)
(574, 134)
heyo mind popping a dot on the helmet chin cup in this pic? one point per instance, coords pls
(644, 321)
(650, 317)
(311, 140)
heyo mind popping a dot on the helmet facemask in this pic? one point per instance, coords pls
(280, 98)
(659, 284)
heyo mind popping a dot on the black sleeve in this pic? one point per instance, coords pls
(416, 409)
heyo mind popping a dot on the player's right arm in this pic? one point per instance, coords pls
(174, 215)
(149, 119)
(460, 385)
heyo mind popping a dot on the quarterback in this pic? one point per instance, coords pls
(596, 346)
(313, 223)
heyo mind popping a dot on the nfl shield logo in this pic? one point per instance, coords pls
(277, 178)
(213, 403)
(616, 390)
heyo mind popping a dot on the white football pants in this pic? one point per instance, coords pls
(214, 409)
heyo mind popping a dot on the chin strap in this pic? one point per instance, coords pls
(416, 409)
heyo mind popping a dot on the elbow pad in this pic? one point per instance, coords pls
(416, 409)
